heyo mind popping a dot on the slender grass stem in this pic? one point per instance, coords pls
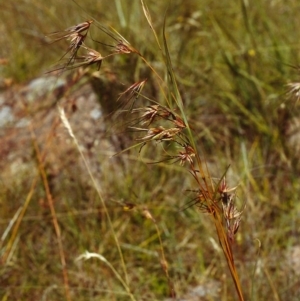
(97, 188)
(52, 210)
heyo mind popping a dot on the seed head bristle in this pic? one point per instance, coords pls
(81, 29)
(133, 92)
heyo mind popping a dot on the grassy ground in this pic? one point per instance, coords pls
(232, 62)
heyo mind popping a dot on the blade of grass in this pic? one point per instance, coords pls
(120, 13)
(52, 210)
(262, 127)
(98, 190)
(179, 103)
(87, 255)
(18, 219)
(223, 238)
(148, 17)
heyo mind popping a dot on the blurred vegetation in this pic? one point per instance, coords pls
(232, 60)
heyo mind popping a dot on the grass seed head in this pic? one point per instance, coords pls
(186, 155)
(148, 215)
(81, 28)
(123, 47)
(179, 123)
(93, 57)
(161, 134)
(149, 114)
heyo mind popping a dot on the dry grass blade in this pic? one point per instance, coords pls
(53, 212)
(148, 17)
(67, 125)
(175, 94)
(87, 255)
(163, 261)
(20, 214)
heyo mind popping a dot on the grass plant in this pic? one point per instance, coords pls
(201, 187)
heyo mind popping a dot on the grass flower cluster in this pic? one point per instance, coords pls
(165, 125)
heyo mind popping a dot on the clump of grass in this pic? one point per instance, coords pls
(165, 125)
